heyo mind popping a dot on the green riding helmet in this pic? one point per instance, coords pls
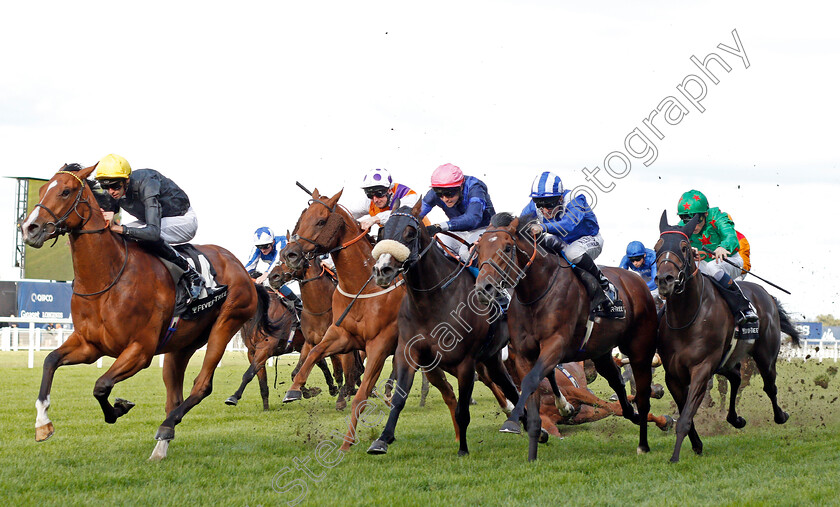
(692, 202)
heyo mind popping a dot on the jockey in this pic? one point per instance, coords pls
(643, 261)
(714, 239)
(573, 232)
(380, 192)
(266, 249)
(164, 214)
(466, 203)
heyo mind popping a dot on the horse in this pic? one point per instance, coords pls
(697, 334)
(440, 326)
(261, 346)
(123, 302)
(549, 321)
(370, 324)
(317, 284)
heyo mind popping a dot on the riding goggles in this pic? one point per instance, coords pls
(547, 202)
(111, 184)
(687, 218)
(447, 192)
(637, 259)
(376, 192)
(265, 246)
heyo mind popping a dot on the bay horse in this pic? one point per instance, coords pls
(262, 346)
(122, 304)
(696, 334)
(549, 321)
(370, 324)
(441, 328)
(317, 284)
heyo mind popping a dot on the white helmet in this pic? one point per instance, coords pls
(263, 236)
(377, 178)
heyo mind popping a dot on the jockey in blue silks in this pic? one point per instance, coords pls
(572, 231)
(266, 249)
(643, 261)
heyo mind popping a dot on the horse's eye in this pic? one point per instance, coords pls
(65, 192)
(508, 248)
(321, 223)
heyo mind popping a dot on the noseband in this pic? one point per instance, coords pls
(683, 277)
(504, 273)
(59, 224)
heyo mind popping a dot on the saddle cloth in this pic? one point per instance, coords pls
(212, 295)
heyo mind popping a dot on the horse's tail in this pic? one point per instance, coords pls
(786, 324)
(263, 321)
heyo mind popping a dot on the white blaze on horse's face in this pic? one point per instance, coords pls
(383, 261)
(35, 212)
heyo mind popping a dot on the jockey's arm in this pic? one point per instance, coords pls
(471, 218)
(150, 231)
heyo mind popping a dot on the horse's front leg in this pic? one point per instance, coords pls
(404, 371)
(335, 341)
(378, 351)
(73, 351)
(606, 368)
(466, 382)
(545, 363)
(733, 375)
(247, 377)
(132, 359)
(693, 397)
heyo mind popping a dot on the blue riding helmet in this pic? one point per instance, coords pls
(547, 184)
(635, 249)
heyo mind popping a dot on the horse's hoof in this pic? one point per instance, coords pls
(122, 406)
(674, 460)
(333, 390)
(164, 433)
(511, 427)
(310, 392)
(657, 391)
(340, 404)
(462, 452)
(669, 423)
(292, 396)
(781, 419)
(378, 447)
(543, 436)
(739, 422)
(160, 450)
(232, 401)
(44, 432)
(642, 450)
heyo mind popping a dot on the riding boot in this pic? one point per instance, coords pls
(193, 280)
(741, 307)
(602, 293)
(295, 305)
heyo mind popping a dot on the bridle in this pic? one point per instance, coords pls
(59, 225)
(682, 278)
(334, 222)
(507, 277)
(59, 229)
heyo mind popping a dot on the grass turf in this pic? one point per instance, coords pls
(238, 455)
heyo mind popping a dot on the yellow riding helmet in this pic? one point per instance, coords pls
(112, 167)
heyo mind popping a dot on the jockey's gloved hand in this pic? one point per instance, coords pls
(433, 229)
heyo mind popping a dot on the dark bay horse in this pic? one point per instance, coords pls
(441, 327)
(696, 334)
(317, 284)
(371, 323)
(122, 305)
(262, 346)
(548, 321)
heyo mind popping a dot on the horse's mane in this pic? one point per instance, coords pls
(502, 219)
(74, 167)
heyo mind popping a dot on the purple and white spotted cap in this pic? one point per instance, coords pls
(377, 178)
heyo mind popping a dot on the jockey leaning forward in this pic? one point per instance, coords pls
(466, 203)
(572, 231)
(266, 249)
(643, 261)
(164, 214)
(380, 193)
(714, 239)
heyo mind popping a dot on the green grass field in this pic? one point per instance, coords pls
(237, 455)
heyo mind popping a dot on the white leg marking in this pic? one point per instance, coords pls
(160, 450)
(509, 408)
(41, 419)
(566, 409)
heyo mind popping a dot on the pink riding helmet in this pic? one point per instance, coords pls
(447, 175)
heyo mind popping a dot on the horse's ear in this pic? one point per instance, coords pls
(288, 236)
(395, 205)
(688, 229)
(418, 206)
(334, 199)
(87, 171)
(515, 224)
(663, 222)
(315, 193)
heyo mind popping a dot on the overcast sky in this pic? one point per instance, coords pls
(236, 101)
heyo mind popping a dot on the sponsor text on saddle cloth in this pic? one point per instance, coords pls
(211, 295)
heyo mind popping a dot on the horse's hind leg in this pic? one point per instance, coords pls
(174, 366)
(734, 378)
(337, 374)
(607, 368)
(73, 351)
(438, 379)
(643, 375)
(247, 377)
(404, 373)
(767, 368)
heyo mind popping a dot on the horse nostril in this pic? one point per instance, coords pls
(488, 288)
(386, 271)
(32, 229)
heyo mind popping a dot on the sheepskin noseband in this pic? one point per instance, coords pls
(397, 250)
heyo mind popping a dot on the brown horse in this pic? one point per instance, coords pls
(317, 284)
(123, 303)
(696, 334)
(441, 328)
(371, 323)
(549, 325)
(262, 346)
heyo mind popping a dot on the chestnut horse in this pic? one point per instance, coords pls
(122, 304)
(262, 346)
(441, 328)
(696, 334)
(549, 321)
(317, 284)
(370, 324)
